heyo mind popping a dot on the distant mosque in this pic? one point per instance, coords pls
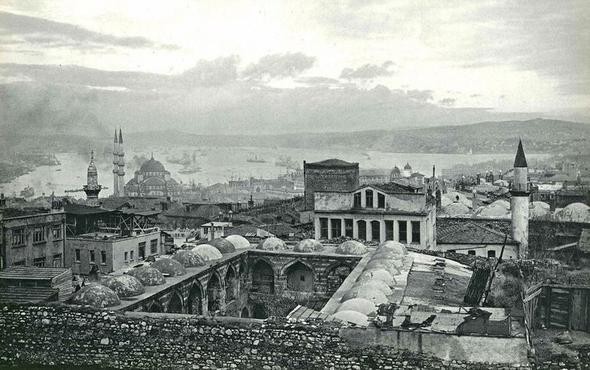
(152, 180)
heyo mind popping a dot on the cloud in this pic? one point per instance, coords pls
(447, 102)
(212, 73)
(368, 71)
(422, 96)
(279, 66)
(47, 33)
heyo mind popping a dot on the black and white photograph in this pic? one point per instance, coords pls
(295, 184)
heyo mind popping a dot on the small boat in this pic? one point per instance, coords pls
(255, 159)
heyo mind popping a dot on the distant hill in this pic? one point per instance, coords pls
(538, 135)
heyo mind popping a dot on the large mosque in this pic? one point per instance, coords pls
(152, 180)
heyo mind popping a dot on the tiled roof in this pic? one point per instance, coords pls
(333, 162)
(27, 294)
(470, 233)
(31, 273)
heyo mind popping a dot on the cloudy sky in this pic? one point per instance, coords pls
(254, 66)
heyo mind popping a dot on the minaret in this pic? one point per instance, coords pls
(116, 166)
(121, 165)
(519, 202)
(92, 188)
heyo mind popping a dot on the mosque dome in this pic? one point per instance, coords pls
(539, 210)
(147, 275)
(238, 241)
(374, 284)
(124, 285)
(207, 252)
(498, 209)
(351, 247)
(575, 212)
(362, 305)
(393, 247)
(308, 246)
(224, 246)
(272, 244)
(95, 295)
(152, 165)
(395, 172)
(407, 166)
(154, 181)
(379, 274)
(169, 266)
(455, 209)
(352, 317)
(370, 293)
(189, 258)
(384, 264)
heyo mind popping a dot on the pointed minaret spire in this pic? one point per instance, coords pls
(520, 159)
(120, 136)
(115, 141)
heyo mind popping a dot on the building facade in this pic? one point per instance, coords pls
(152, 180)
(377, 213)
(328, 175)
(110, 251)
(33, 240)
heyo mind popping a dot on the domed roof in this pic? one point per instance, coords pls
(352, 317)
(222, 245)
(189, 258)
(351, 247)
(498, 209)
(95, 295)
(124, 285)
(575, 212)
(169, 266)
(147, 275)
(455, 209)
(384, 264)
(272, 244)
(407, 166)
(238, 241)
(152, 165)
(393, 247)
(374, 284)
(395, 171)
(154, 181)
(372, 294)
(361, 305)
(308, 245)
(539, 210)
(378, 274)
(207, 252)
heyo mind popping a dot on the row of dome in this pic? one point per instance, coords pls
(132, 283)
(374, 285)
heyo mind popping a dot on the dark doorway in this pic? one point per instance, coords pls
(245, 313)
(231, 285)
(155, 307)
(299, 277)
(195, 300)
(376, 230)
(362, 229)
(260, 311)
(263, 278)
(175, 305)
(213, 294)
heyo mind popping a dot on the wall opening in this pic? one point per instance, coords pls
(362, 229)
(245, 313)
(231, 285)
(336, 276)
(263, 278)
(213, 293)
(175, 305)
(299, 277)
(195, 300)
(375, 230)
(260, 311)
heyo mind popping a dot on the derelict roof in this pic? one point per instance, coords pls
(79, 209)
(27, 294)
(31, 273)
(333, 162)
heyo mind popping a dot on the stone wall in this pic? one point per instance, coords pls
(76, 336)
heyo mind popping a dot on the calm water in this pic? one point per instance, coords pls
(221, 164)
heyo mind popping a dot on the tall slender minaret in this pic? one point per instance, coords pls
(519, 202)
(121, 176)
(116, 166)
(92, 188)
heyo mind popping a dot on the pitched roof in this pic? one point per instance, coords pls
(520, 159)
(395, 188)
(32, 273)
(28, 294)
(470, 233)
(79, 209)
(333, 162)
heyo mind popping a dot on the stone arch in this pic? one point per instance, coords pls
(263, 277)
(155, 307)
(176, 304)
(195, 299)
(336, 273)
(244, 313)
(300, 276)
(231, 284)
(214, 292)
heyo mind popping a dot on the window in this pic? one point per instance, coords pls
(348, 227)
(56, 232)
(103, 257)
(471, 252)
(361, 226)
(126, 256)
(324, 228)
(416, 232)
(18, 237)
(380, 200)
(491, 254)
(336, 227)
(39, 262)
(403, 231)
(357, 200)
(154, 246)
(38, 235)
(388, 230)
(141, 250)
(57, 260)
(369, 198)
(92, 257)
(131, 256)
(77, 255)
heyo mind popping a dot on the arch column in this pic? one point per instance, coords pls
(355, 229)
(369, 229)
(383, 234)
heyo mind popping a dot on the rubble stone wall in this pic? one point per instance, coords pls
(78, 336)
